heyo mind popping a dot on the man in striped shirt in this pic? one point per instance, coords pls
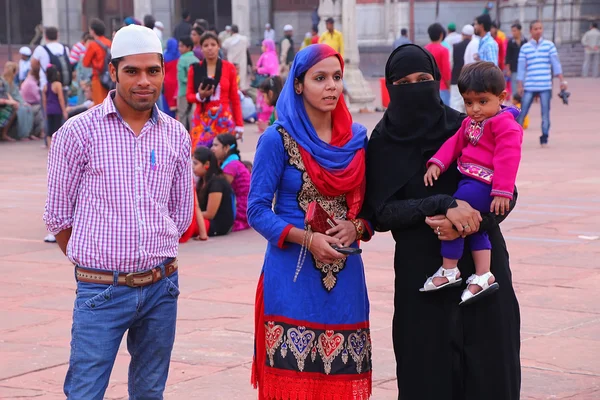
(119, 198)
(538, 61)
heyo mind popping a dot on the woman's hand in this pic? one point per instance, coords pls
(442, 227)
(464, 217)
(321, 249)
(205, 92)
(345, 232)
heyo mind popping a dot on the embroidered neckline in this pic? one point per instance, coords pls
(308, 193)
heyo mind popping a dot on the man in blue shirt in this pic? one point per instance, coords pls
(538, 61)
(488, 48)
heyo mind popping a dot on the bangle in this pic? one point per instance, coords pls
(310, 241)
(360, 229)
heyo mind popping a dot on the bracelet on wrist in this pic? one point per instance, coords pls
(360, 229)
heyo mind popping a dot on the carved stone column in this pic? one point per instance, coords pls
(330, 9)
(359, 90)
(240, 15)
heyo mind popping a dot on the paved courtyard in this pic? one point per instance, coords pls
(553, 239)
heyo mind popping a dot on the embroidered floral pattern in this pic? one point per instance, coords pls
(300, 341)
(329, 350)
(273, 338)
(335, 206)
(330, 345)
(474, 131)
(476, 171)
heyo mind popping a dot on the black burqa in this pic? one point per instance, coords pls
(443, 351)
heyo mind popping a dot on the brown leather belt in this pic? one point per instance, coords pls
(133, 279)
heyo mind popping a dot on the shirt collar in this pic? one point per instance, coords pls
(536, 42)
(488, 36)
(108, 107)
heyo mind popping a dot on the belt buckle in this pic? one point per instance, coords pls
(129, 279)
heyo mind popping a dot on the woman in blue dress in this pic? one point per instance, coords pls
(312, 338)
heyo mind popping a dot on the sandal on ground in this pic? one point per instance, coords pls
(453, 276)
(483, 282)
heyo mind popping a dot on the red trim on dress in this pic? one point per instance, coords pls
(315, 325)
(286, 231)
(284, 385)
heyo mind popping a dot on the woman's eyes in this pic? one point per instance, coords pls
(335, 78)
(424, 79)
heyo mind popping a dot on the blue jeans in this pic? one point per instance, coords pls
(545, 97)
(101, 315)
(445, 96)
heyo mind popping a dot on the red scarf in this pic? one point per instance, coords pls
(350, 181)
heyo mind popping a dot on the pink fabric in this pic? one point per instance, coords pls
(268, 63)
(492, 155)
(128, 198)
(30, 90)
(241, 187)
(264, 110)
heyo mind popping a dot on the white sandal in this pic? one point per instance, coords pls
(481, 281)
(453, 276)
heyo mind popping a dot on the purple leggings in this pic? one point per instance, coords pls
(477, 194)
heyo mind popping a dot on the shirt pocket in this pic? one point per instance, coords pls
(160, 172)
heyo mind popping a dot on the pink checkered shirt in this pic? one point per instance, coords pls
(127, 198)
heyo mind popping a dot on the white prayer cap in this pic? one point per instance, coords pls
(26, 51)
(159, 25)
(228, 27)
(288, 28)
(135, 39)
(267, 25)
(468, 30)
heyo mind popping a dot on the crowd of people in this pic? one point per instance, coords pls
(159, 156)
(529, 65)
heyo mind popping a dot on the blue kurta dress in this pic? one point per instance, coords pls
(312, 336)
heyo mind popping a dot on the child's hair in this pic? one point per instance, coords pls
(227, 139)
(517, 98)
(52, 74)
(481, 77)
(274, 84)
(248, 165)
(204, 154)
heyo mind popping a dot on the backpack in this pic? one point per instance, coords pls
(63, 65)
(104, 74)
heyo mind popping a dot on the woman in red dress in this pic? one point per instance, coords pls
(170, 84)
(212, 86)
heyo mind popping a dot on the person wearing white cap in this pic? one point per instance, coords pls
(269, 32)
(236, 48)
(473, 46)
(226, 34)
(286, 56)
(24, 63)
(120, 195)
(158, 29)
(458, 54)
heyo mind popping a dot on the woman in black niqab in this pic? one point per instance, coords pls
(443, 351)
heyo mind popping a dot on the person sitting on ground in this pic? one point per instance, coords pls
(86, 105)
(228, 154)
(271, 88)
(31, 94)
(8, 110)
(24, 116)
(215, 202)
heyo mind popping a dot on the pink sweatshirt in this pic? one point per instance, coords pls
(489, 151)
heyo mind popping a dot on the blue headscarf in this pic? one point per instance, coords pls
(172, 50)
(292, 116)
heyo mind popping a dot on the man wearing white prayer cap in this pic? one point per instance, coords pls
(119, 198)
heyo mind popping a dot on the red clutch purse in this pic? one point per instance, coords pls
(317, 219)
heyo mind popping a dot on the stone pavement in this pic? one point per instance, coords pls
(553, 238)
